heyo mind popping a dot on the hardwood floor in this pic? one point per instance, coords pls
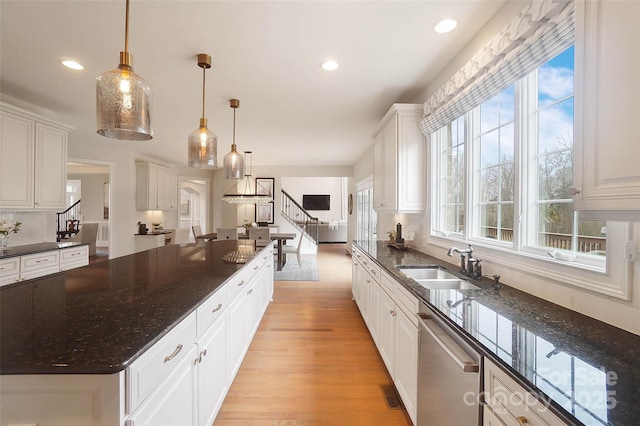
(312, 360)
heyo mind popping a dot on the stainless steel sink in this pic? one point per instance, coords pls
(434, 277)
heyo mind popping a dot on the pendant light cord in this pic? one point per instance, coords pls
(234, 127)
(126, 29)
(203, 82)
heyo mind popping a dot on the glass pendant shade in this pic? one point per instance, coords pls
(123, 99)
(203, 147)
(123, 104)
(233, 164)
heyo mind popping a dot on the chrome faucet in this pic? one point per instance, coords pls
(465, 268)
(452, 305)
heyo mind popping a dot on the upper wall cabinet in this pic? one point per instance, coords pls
(33, 161)
(607, 168)
(157, 187)
(398, 174)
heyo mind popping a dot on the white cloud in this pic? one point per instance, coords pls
(555, 82)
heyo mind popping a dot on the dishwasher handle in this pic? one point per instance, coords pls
(454, 351)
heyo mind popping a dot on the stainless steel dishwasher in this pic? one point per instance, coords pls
(448, 375)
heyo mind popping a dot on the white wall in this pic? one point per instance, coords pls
(296, 187)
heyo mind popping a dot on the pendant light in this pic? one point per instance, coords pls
(123, 99)
(233, 163)
(203, 143)
(248, 196)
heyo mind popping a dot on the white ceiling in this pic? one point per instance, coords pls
(265, 53)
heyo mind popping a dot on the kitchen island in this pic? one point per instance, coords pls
(585, 371)
(87, 346)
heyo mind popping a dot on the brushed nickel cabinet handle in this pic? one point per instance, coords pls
(217, 308)
(255, 267)
(240, 283)
(174, 354)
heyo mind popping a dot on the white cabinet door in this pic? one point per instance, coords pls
(253, 302)
(33, 161)
(173, 402)
(50, 167)
(607, 91)
(9, 270)
(213, 382)
(390, 167)
(375, 292)
(387, 332)
(16, 161)
(238, 336)
(399, 158)
(489, 418)
(406, 359)
(171, 190)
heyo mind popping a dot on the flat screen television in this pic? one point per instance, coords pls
(316, 202)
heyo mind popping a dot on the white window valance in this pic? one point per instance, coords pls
(541, 31)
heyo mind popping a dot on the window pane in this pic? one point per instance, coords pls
(555, 78)
(489, 115)
(556, 225)
(507, 104)
(507, 143)
(489, 221)
(489, 149)
(555, 125)
(507, 182)
(592, 236)
(555, 176)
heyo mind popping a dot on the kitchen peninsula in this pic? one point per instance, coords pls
(126, 341)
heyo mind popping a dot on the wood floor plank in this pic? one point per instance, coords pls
(312, 361)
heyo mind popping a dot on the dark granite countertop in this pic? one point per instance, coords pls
(36, 248)
(99, 318)
(588, 370)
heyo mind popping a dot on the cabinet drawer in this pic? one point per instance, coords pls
(388, 284)
(211, 309)
(513, 404)
(156, 364)
(372, 268)
(237, 283)
(32, 262)
(9, 270)
(74, 257)
(407, 302)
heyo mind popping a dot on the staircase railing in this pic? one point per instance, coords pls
(298, 216)
(67, 221)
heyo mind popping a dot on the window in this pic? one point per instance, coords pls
(519, 146)
(366, 217)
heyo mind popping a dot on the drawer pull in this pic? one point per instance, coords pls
(44, 260)
(373, 271)
(240, 283)
(255, 267)
(522, 420)
(250, 291)
(174, 354)
(217, 308)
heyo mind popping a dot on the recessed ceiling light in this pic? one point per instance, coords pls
(445, 26)
(72, 64)
(329, 65)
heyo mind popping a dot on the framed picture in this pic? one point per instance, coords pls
(264, 186)
(184, 208)
(264, 213)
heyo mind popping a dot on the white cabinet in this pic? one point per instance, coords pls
(606, 96)
(156, 187)
(33, 161)
(39, 264)
(9, 270)
(406, 362)
(74, 257)
(172, 403)
(238, 336)
(387, 331)
(212, 380)
(512, 403)
(148, 241)
(399, 160)
(489, 418)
